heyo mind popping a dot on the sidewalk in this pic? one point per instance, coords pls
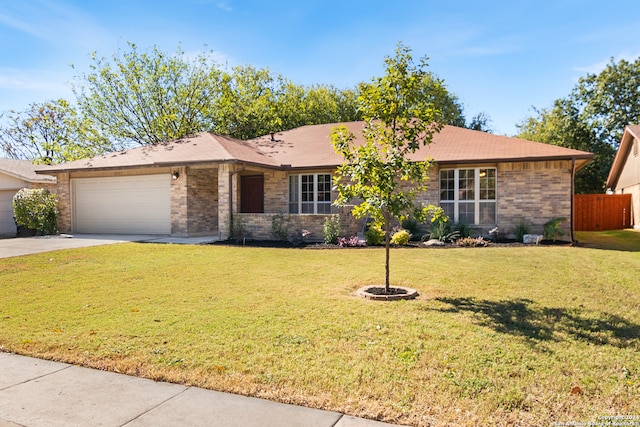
(36, 392)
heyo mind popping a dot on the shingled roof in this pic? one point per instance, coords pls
(24, 170)
(310, 147)
(202, 148)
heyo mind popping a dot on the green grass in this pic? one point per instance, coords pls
(499, 336)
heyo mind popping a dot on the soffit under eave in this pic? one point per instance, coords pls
(620, 159)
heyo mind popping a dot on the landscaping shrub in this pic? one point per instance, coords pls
(401, 238)
(36, 209)
(440, 224)
(350, 242)
(280, 226)
(553, 228)
(411, 225)
(463, 229)
(238, 227)
(471, 242)
(374, 235)
(522, 228)
(331, 229)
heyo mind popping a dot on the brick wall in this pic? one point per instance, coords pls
(260, 226)
(534, 192)
(179, 203)
(202, 201)
(63, 190)
(276, 196)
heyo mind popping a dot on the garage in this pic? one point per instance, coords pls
(128, 204)
(7, 225)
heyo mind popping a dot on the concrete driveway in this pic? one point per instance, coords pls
(33, 245)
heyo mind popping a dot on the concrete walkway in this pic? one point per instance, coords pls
(36, 392)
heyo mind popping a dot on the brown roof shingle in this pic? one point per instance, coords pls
(204, 147)
(23, 169)
(310, 147)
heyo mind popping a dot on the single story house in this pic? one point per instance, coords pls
(624, 176)
(196, 185)
(15, 175)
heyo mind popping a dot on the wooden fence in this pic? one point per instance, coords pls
(598, 212)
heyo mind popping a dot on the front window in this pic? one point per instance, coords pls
(310, 194)
(469, 195)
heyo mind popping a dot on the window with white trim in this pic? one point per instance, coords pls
(469, 195)
(310, 194)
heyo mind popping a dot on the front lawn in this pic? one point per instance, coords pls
(499, 336)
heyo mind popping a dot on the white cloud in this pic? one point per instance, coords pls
(20, 25)
(57, 23)
(19, 88)
(601, 65)
(223, 5)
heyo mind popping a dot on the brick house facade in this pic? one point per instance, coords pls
(219, 186)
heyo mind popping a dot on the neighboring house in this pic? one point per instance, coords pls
(624, 176)
(192, 186)
(15, 175)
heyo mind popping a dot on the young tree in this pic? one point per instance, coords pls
(399, 120)
(50, 133)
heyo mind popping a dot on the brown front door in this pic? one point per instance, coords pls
(252, 194)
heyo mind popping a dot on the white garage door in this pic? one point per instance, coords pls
(7, 226)
(130, 204)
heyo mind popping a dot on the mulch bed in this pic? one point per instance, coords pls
(411, 245)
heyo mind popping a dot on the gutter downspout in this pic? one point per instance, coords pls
(231, 174)
(573, 177)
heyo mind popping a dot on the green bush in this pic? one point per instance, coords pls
(522, 228)
(553, 228)
(238, 227)
(331, 229)
(374, 235)
(464, 230)
(401, 238)
(36, 209)
(280, 226)
(441, 225)
(410, 224)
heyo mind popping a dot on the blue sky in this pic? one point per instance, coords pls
(498, 57)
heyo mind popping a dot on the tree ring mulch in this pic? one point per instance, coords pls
(376, 292)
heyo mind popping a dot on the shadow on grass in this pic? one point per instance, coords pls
(523, 317)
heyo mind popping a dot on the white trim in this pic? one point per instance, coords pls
(476, 193)
(299, 193)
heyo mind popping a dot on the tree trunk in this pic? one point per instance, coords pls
(387, 246)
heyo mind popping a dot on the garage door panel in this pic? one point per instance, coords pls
(7, 225)
(138, 204)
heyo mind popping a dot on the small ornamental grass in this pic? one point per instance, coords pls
(499, 336)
